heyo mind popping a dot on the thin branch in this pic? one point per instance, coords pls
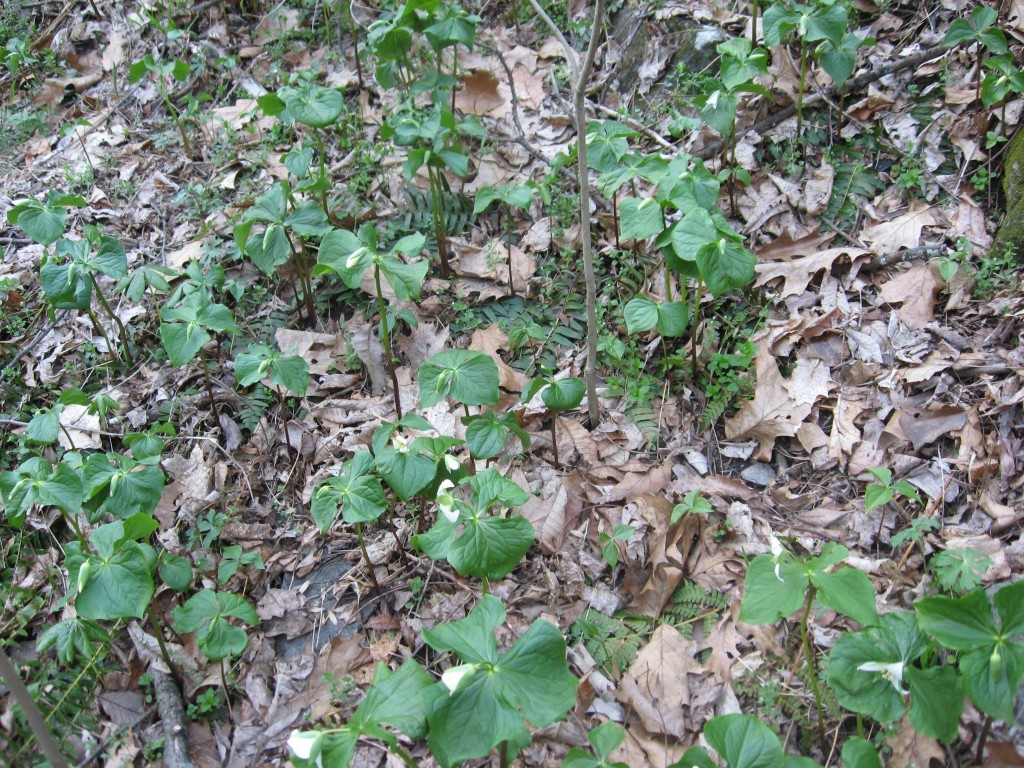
(172, 715)
(29, 708)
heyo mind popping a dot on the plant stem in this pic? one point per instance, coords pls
(809, 656)
(486, 587)
(155, 626)
(280, 405)
(668, 283)
(554, 439)
(753, 27)
(177, 120)
(102, 332)
(227, 694)
(402, 755)
(615, 218)
(800, 93)
(985, 728)
(355, 46)
(209, 386)
(696, 324)
(503, 754)
(305, 281)
(323, 167)
(366, 558)
(386, 334)
(437, 213)
(120, 326)
(508, 240)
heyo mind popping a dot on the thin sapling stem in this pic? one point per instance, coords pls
(809, 656)
(209, 386)
(284, 419)
(554, 439)
(117, 321)
(366, 558)
(386, 340)
(102, 332)
(227, 693)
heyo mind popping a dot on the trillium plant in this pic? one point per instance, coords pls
(483, 701)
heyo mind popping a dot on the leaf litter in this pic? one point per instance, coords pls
(860, 366)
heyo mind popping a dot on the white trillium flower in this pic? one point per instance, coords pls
(892, 672)
(306, 744)
(453, 676)
(354, 257)
(446, 502)
(777, 552)
(451, 462)
(400, 443)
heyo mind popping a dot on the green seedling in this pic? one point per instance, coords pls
(558, 395)
(175, 68)
(185, 330)
(693, 503)
(348, 255)
(286, 223)
(885, 490)
(118, 485)
(357, 493)
(435, 142)
(476, 706)
(508, 196)
(980, 28)
(284, 372)
(317, 108)
(959, 570)
(207, 614)
(810, 24)
(609, 542)
(604, 740)
(72, 639)
(779, 583)
(232, 558)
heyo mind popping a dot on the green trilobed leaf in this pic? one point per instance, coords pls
(469, 377)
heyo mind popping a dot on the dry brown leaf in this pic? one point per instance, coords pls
(479, 95)
(779, 405)
(650, 481)
(370, 351)
(320, 350)
(912, 750)
(818, 190)
(799, 272)
(657, 685)
(904, 231)
(924, 427)
(670, 546)
(724, 642)
(491, 340)
(916, 290)
(785, 246)
(54, 89)
(491, 263)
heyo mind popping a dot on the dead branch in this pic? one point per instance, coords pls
(172, 714)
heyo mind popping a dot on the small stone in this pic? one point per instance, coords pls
(759, 473)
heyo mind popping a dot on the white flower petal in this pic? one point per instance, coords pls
(451, 462)
(304, 744)
(453, 676)
(400, 443)
(892, 672)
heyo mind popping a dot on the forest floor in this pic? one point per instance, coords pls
(881, 330)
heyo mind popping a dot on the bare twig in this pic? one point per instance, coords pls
(172, 715)
(36, 721)
(581, 74)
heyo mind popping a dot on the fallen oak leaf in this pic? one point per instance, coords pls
(779, 405)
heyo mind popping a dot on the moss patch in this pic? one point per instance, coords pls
(1011, 232)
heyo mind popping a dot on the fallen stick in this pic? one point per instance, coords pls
(172, 714)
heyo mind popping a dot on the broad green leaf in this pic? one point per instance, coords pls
(308, 220)
(991, 676)
(43, 222)
(206, 613)
(725, 265)
(175, 571)
(344, 253)
(719, 111)
(490, 487)
(115, 584)
(696, 230)
(73, 638)
(406, 280)
(640, 219)
(471, 638)
(960, 624)
(673, 318)
(563, 394)
(641, 315)
(35, 481)
(1009, 602)
(743, 741)
(860, 753)
(182, 341)
(406, 472)
(695, 757)
(876, 496)
(936, 701)
(313, 105)
(767, 597)
(487, 433)
(828, 23)
(778, 21)
(848, 591)
(866, 669)
(606, 144)
(44, 426)
(394, 699)
(490, 547)
(469, 377)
